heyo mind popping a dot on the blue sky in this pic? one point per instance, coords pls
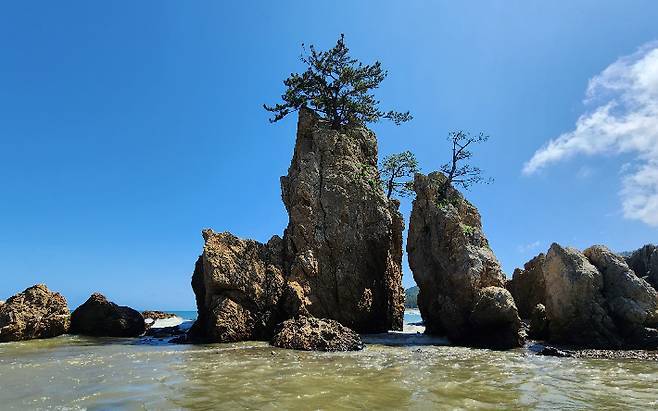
(127, 127)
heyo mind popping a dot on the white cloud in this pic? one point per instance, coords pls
(524, 248)
(624, 120)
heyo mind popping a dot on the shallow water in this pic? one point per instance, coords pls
(84, 373)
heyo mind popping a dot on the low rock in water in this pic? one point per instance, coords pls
(314, 334)
(35, 313)
(99, 317)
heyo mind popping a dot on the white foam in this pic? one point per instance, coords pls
(167, 322)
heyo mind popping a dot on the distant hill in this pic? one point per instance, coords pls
(411, 297)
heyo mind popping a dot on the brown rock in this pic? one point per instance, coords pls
(538, 323)
(99, 317)
(495, 320)
(452, 262)
(35, 313)
(631, 301)
(238, 286)
(575, 305)
(343, 243)
(528, 287)
(314, 334)
(644, 262)
(157, 315)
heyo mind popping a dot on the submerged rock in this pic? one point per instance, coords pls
(99, 317)
(644, 262)
(315, 334)
(343, 243)
(528, 287)
(35, 313)
(238, 286)
(453, 264)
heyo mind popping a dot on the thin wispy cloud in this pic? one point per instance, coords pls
(623, 119)
(524, 248)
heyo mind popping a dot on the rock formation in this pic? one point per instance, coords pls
(461, 283)
(575, 305)
(644, 262)
(35, 313)
(314, 334)
(538, 323)
(238, 286)
(157, 315)
(340, 257)
(343, 243)
(527, 286)
(592, 299)
(99, 317)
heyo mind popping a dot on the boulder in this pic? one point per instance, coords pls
(452, 263)
(35, 313)
(495, 320)
(575, 304)
(343, 243)
(538, 323)
(238, 286)
(528, 287)
(99, 317)
(644, 262)
(630, 301)
(315, 334)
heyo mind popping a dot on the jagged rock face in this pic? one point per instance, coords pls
(238, 286)
(527, 286)
(35, 313)
(592, 299)
(575, 305)
(314, 334)
(343, 243)
(99, 317)
(644, 262)
(631, 301)
(452, 263)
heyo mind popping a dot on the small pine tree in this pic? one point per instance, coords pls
(337, 87)
(396, 167)
(458, 173)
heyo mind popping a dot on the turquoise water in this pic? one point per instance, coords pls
(398, 371)
(410, 316)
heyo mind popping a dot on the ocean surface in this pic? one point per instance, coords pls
(395, 371)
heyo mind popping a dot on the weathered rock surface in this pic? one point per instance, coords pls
(644, 262)
(238, 286)
(315, 334)
(35, 313)
(496, 319)
(343, 243)
(538, 323)
(528, 287)
(631, 301)
(592, 299)
(157, 315)
(340, 257)
(452, 264)
(575, 305)
(99, 317)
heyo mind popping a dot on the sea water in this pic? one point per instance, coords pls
(394, 371)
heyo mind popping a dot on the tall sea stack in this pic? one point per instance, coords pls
(340, 257)
(462, 294)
